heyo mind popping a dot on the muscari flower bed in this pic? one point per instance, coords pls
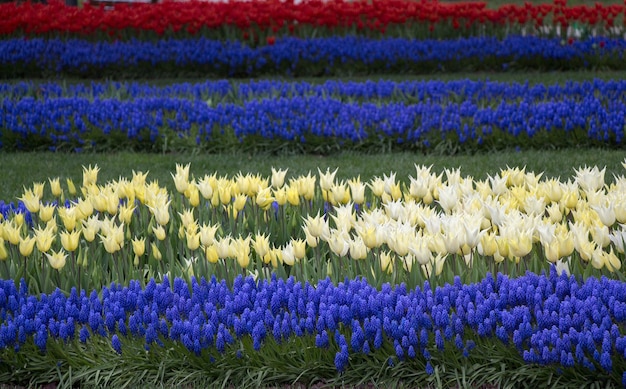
(273, 115)
(329, 331)
(332, 56)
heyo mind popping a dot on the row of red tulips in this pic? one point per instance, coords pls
(276, 16)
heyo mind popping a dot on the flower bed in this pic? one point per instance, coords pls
(40, 57)
(272, 115)
(545, 320)
(250, 280)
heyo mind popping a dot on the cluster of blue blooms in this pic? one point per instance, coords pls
(548, 319)
(297, 56)
(411, 114)
(229, 91)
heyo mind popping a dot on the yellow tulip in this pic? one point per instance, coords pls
(193, 194)
(68, 217)
(261, 245)
(299, 248)
(205, 187)
(90, 175)
(57, 259)
(3, 250)
(278, 178)
(240, 202)
(159, 232)
(386, 262)
(71, 188)
(264, 198)
(242, 251)
(139, 246)
(181, 178)
(55, 187)
(288, 255)
(91, 227)
(44, 238)
(280, 195)
(125, 214)
(327, 179)
(31, 201)
(11, 233)
(193, 240)
(110, 243)
(69, 240)
(225, 194)
(293, 195)
(357, 190)
(46, 212)
(156, 253)
(27, 245)
(211, 254)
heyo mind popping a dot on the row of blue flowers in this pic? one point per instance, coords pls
(294, 56)
(231, 91)
(592, 113)
(546, 319)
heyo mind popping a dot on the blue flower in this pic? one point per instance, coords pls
(116, 344)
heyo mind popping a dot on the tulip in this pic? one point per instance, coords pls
(139, 246)
(90, 175)
(181, 178)
(327, 179)
(211, 254)
(288, 255)
(156, 253)
(278, 177)
(207, 234)
(241, 248)
(44, 238)
(31, 201)
(261, 245)
(91, 227)
(357, 190)
(68, 217)
(159, 232)
(205, 187)
(193, 194)
(193, 240)
(69, 240)
(3, 250)
(57, 259)
(46, 212)
(386, 262)
(55, 187)
(110, 243)
(299, 248)
(71, 188)
(264, 198)
(26, 245)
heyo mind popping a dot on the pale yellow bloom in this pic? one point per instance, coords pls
(90, 175)
(55, 187)
(46, 212)
(69, 240)
(278, 177)
(57, 259)
(26, 246)
(156, 253)
(181, 178)
(44, 238)
(30, 200)
(139, 246)
(159, 232)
